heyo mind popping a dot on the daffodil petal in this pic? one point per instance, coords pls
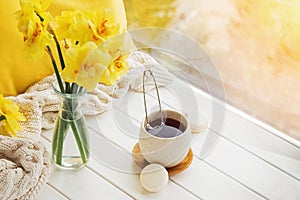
(13, 125)
(10, 111)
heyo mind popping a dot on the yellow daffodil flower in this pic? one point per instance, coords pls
(97, 49)
(84, 26)
(118, 47)
(32, 23)
(90, 63)
(85, 64)
(104, 26)
(114, 71)
(40, 5)
(10, 115)
(73, 25)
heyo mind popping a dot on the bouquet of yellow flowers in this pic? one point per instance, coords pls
(81, 32)
(94, 50)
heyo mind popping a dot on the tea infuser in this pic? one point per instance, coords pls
(148, 126)
(163, 129)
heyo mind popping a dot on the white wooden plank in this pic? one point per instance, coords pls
(120, 168)
(116, 166)
(243, 177)
(48, 193)
(253, 172)
(200, 179)
(82, 183)
(211, 184)
(236, 128)
(108, 125)
(258, 140)
(285, 161)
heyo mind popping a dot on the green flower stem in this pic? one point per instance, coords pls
(80, 89)
(2, 117)
(55, 137)
(58, 139)
(84, 134)
(74, 88)
(60, 83)
(79, 132)
(62, 130)
(68, 90)
(61, 58)
(79, 143)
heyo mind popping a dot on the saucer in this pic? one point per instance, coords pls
(140, 161)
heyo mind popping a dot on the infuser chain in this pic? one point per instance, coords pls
(158, 98)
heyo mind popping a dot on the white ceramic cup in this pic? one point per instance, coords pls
(167, 151)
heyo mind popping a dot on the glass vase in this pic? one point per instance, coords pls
(70, 144)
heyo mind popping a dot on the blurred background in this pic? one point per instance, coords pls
(255, 45)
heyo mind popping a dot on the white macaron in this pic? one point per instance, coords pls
(154, 177)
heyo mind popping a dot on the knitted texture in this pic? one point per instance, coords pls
(24, 167)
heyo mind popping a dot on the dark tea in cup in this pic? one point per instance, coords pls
(170, 128)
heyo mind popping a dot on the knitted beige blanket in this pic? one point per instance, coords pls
(24, 167)
(24, 162)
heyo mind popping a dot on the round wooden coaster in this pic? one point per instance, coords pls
(140, 161)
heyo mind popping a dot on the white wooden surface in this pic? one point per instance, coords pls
(249, 161)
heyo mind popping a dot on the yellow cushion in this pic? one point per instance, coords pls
(17, 72)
